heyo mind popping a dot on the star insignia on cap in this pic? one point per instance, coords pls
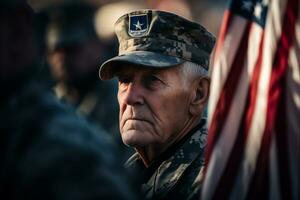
(138, 25)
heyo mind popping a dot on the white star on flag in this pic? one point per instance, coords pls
(258, 10)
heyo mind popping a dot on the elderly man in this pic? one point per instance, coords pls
(162, 70)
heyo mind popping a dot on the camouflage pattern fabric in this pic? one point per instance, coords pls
(159, 39)
(177, 176)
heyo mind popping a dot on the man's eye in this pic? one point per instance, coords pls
(152, 81)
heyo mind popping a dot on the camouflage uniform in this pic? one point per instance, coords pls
(174, 174)
(157, 39)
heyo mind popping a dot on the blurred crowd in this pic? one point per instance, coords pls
(206, 12)
(51, 51)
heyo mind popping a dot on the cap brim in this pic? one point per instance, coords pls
(139, 58)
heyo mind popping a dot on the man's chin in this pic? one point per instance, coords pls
(134, 138)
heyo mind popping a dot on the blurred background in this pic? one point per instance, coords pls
(207, 12)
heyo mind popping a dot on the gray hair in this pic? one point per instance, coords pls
(192, 70)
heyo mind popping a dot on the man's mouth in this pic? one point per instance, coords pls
(137, 119)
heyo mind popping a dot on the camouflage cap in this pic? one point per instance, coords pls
(158, 39)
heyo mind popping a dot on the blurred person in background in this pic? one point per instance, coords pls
(162, 69)
(46, 150)
(73, 52)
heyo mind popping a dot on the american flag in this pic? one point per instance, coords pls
(254, 108)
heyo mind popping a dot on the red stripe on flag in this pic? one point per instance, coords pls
(227, 19)
(258, 184)
(227, 94)
(234, 161)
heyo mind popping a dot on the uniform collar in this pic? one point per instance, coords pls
(170, 166)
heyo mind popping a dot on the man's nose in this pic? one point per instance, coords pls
(133, 95)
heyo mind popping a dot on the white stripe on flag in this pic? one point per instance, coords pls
(229, 132)
(253, 143)
(224, 61)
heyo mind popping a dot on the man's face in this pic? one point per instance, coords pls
(154, 105)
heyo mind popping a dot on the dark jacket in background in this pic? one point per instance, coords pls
(48, 152)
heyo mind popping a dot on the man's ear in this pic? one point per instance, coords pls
(200, 95)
